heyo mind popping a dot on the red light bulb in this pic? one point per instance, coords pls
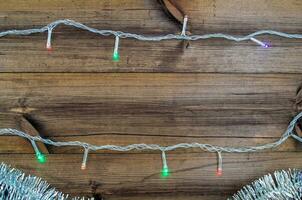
(219, 172)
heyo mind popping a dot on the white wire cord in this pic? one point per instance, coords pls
(155, 147)
(121, 34)
(206, 147)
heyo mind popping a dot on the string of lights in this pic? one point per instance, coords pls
(155, 147)
(119, 34)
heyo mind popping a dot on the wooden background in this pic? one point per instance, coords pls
(217, 92)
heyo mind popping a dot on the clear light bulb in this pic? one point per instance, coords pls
(263, 44)
(49, 48)
(48, 43)
(83, 166)
(85, 156)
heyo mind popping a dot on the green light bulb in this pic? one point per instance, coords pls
(115, 57)
(41, 158)
(165, 172)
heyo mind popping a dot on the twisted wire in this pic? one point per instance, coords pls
(121, 34)
(206, 147)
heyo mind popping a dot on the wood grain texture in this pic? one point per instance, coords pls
(216, 92)
(78, 51)
(26, 127)
(166, 197)
(153, 104)
(12, 144)
(206, 15)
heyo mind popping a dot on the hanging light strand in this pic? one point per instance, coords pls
(48, 42)
(219, 164)
(121, 34)
(147, 38)
(184, 26)
(85, 156)
(41, 158)
(165, 170)
(116, 55)
(156, 147)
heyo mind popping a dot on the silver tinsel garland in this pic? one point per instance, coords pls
(283, 185)
(15, 185)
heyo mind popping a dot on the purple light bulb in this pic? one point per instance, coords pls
(266, 45)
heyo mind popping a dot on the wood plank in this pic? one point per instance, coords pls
(94, 55)
(166, 197)
(299, 98)
(28, 128)
(192, 174)
(256, 14)
(13, 144)
(207, 15)
(200, 105)
(78, 51)
(239, 94)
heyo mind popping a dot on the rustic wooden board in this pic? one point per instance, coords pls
(97, 180)
(166, 197)
(222, 93)
(206, 15)
(134, 174)
(94, 55)
(153, 104)
(72, 103)
(78, 51)
(12, 144)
